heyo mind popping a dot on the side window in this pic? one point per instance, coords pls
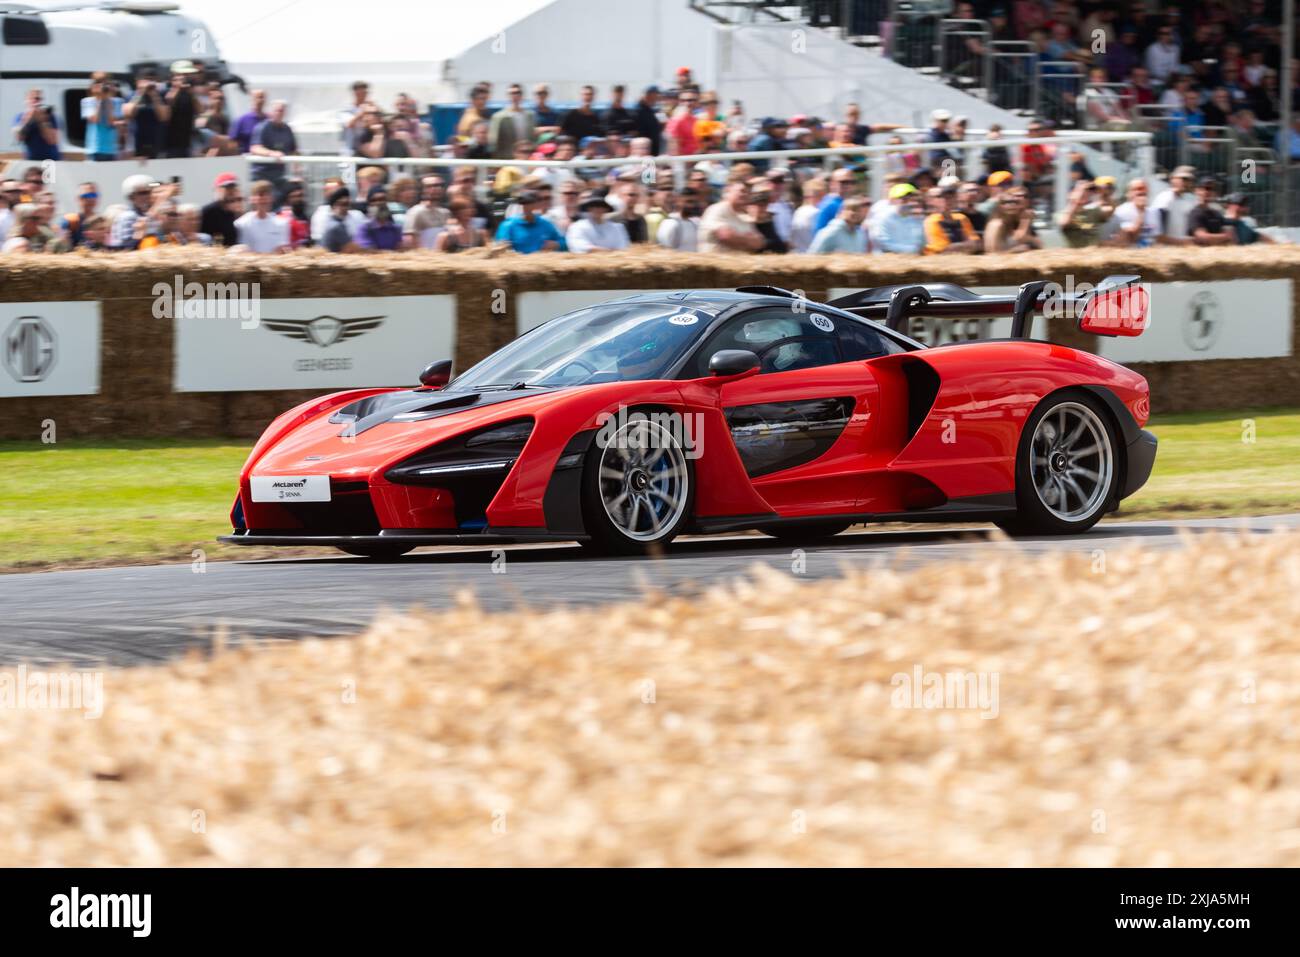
(25, 31)
(804, 352)
(859, 341)
(781, 338)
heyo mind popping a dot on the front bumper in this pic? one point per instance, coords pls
(1139, 459)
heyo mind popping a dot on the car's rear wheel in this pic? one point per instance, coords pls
(811, 531)
(1067, 467)
(377, 552)
(638, 486)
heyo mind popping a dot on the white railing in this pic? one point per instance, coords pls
(1063, 141)
(197, 174)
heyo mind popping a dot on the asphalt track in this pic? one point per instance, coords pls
(145, 614)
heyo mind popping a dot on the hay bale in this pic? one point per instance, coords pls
(1141, 718)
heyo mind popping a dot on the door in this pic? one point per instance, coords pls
(801, 426)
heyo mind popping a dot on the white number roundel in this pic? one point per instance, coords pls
(822, 323)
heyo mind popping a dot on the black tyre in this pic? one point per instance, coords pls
(1067, 466)
(638, 486)
(377, 552)
(811, 531)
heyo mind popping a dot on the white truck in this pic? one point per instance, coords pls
(54, 47)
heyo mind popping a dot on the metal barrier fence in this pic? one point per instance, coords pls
(915, 32)
(1013, 80)
(1259, 179)
(1209, 149)
(1108, 106)
(855, 19)
(1157, 119)
(1060, 83)
(962, 54)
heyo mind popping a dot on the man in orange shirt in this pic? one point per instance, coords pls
(947, 231)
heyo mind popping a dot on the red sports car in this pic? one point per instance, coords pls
(624, 424)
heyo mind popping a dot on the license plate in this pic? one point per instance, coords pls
(291, 488)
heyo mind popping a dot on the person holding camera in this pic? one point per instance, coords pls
(37, 129)
(147, 113)
(102, 111)
(182, 110)
(1085, 218)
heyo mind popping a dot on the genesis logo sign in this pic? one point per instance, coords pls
(1203, 321)
(30, 349)
(323, 331)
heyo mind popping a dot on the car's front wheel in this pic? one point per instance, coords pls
(1067, 466)
(638, 486)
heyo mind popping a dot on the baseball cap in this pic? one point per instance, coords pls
(225, 179)
(941, 115)
(899, 190)
(1236, 199)
(1105, 181)
(1000, 177)
(1183, 172)
(136, 182)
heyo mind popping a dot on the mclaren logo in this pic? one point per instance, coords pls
(30, 349)
(324, 331)
(1203, 321)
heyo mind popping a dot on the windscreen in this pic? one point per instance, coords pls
(607, 343)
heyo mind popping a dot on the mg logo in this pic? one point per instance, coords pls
(29, 349)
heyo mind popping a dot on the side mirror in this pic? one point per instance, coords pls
(436, 374)
(730, 363)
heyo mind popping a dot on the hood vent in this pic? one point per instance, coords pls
(415, 405)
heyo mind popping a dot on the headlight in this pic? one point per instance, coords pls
(473, 457)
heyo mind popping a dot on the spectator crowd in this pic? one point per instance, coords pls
(1215, 63)
(1172, 68)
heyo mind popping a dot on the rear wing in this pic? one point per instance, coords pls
(1117, 306)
